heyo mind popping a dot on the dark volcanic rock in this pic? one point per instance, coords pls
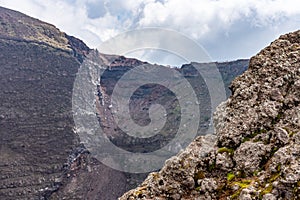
(36, 124)
(255, 151)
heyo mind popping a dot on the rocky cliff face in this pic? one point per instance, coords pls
(149, 94)
(254, 153)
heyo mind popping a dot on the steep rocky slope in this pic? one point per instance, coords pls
(254, 153)
(41, 156)
(38, 148)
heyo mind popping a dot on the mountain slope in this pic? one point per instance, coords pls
(38, 65)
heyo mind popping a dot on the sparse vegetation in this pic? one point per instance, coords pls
(227, 150)
(230, 176)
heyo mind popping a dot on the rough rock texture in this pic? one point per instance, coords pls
(255, 153)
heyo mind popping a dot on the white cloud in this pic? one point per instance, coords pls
(228, 29)
(202, 17)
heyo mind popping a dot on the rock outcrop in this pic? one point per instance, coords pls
(255, 151)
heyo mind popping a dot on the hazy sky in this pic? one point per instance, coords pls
(227, 29)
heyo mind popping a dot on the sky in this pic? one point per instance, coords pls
(225, 29)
